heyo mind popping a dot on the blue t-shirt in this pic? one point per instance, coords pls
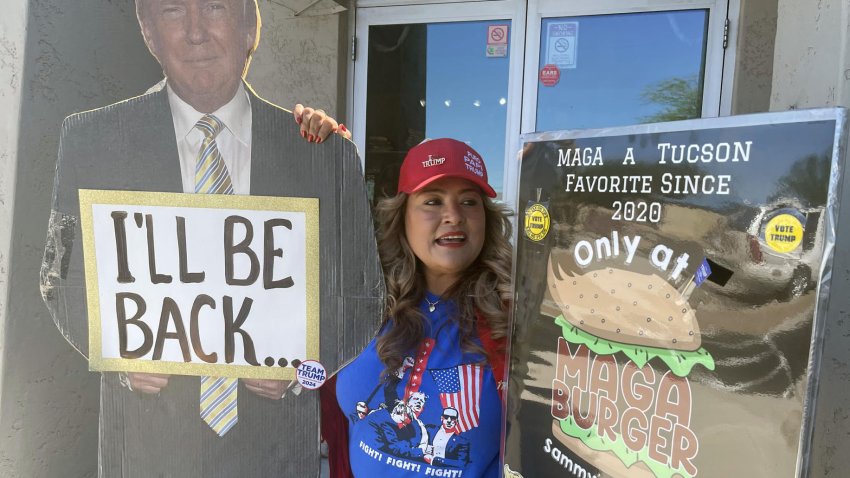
(439, 415)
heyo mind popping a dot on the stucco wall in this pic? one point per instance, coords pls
(297, 59)
(56, 58)
(811, 65)
(11, 68)
(756, 32)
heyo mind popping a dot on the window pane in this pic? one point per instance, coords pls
(467, 92)
(621, 69)
(431, 81)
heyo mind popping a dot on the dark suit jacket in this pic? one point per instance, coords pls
(131, 146)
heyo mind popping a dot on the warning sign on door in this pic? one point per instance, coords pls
(497, 41)
(550, 75)
(561, 44)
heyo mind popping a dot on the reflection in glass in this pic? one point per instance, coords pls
(622, 69)
(432, 81)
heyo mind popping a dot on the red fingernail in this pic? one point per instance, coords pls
(303, 134)
(343, 128)
(298, 120)
(318, 140)
(310, 138)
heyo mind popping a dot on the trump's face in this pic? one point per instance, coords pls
(202, 46)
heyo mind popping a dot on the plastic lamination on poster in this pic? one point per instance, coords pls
(672, 321)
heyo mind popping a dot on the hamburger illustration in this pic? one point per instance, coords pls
(624, 331)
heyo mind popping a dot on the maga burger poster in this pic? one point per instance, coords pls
(671, 281)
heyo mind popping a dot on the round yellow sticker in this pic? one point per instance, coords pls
(536, 222)
(783, 233)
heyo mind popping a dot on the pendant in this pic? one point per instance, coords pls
(431, 307)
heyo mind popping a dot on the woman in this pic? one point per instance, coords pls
(422, 398)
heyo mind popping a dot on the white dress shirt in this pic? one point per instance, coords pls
(234, 140)
(440, 442)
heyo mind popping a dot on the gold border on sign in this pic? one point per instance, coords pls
(308, 206)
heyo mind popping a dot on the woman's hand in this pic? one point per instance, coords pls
(316, 125)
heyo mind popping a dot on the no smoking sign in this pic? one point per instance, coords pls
(497, 40)
(498, 34)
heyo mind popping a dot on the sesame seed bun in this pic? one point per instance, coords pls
(622, 306)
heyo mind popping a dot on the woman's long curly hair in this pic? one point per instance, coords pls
(484, 287)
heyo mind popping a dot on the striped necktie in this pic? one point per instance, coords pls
(211, 176)
(218, 394)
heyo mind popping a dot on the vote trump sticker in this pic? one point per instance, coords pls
(536, 222)
(783, 233)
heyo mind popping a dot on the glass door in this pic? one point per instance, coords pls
(486, 71)
(433, 71)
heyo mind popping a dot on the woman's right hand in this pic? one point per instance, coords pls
(316, 125)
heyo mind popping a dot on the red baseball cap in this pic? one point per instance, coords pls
(442, 158)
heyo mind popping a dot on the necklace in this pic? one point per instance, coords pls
(432, 305)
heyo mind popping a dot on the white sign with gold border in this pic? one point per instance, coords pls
(195, 284)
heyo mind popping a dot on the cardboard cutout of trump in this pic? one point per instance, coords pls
(205, 121)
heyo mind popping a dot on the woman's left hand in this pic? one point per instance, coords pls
(316, 125)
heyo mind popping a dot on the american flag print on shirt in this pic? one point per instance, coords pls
(460, 388)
